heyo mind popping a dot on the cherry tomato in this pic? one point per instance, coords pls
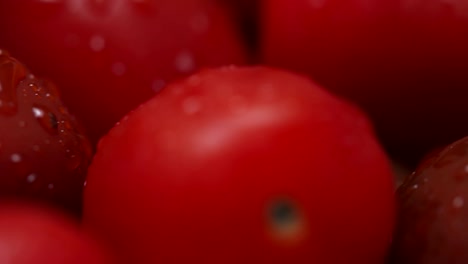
(36, 235)
(242, 165)
(107, 57)
(402, 61)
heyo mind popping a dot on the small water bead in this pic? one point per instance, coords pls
(177, 90)
(22, 124)
(35, 87)
(38, 113)
(184, 62)
(317, 3)
(118, 68)
(31, 178)
(458, 202)
(237, 104)
(73, 161)
(97, 43)
(46, 118)
(16, 158)
(100, 7)
(199, 23)
(72, 40)
(228, 68)
(194, 80)
(158, 85)
(267, 92)
(191, 105)
(51, 1)
(466, 168)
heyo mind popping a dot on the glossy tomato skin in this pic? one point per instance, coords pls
(44, 154)
(403, 61)
(432, 211)
(110, 56)
(242, 165)
(36, 235)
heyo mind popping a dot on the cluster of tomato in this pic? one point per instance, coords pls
(228, 131)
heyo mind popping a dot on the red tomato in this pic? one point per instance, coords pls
(432, 211)
(109, 56)
(37, 236)
(242, 165)
(44, 154)
(403, 61)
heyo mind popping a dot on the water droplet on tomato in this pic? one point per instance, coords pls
(267, 91)
(177, 90)
(100, 7)
(184, 62)
(97, 43)
(237, 104)
(317, 3)
(158, 85)
(51, 1)
(46, 119)
(31, 178)
(16, 158)
(73, 161)
(35, 88)
(191, 105)
(72, 40)
(118, 68)
(458, 202)
(194, 80)
(199, 23)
